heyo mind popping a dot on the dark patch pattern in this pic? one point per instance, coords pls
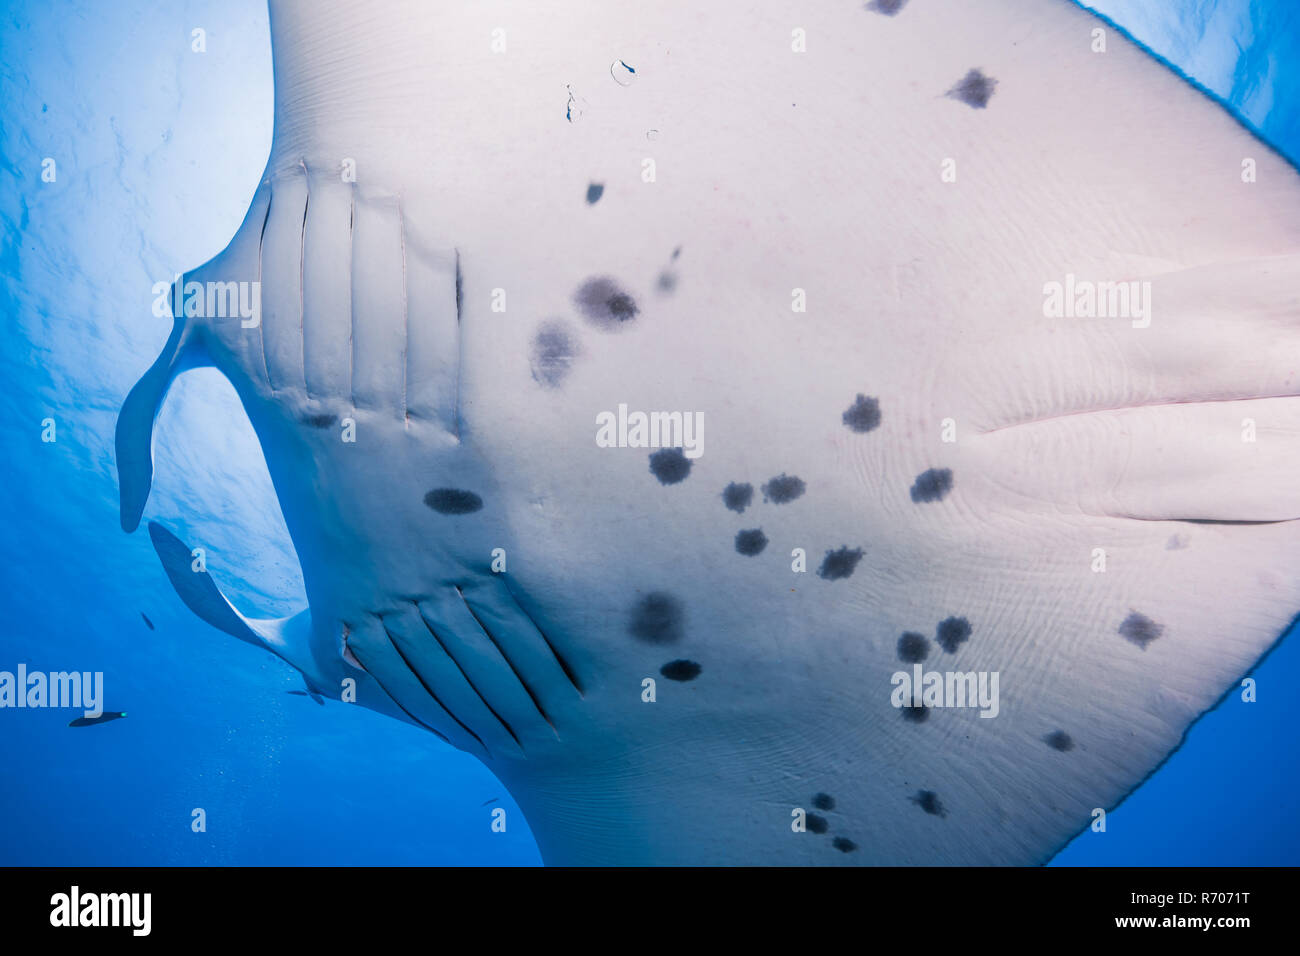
(1140, 629)
(1059, 740)
(932, 485)
(148, 623)
(952, 632)
(453, 501)
(844, 844)
(322, 420)
(667, 281)
(658, 618)
(974, 89)
(817, 824)
(594, 192)
(103, 718)
(605, 304)
(751, 542)
(554, 349)
(681, 670)
(887, 7)
(783, 489)
(839, 564)
(823, 801)
(737, 496)
(929, 801)
(916, 715)
(863, 415)
(670, 465)
(913, 648)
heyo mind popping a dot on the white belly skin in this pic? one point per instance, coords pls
(774, 171)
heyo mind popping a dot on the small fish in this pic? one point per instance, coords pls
(103, 718)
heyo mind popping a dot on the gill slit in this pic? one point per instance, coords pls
(261, 239)
(406, 316)
(429, 690)
(352, 299)
(393, 697)
(509, 663)
(447, 651)
(302, 277)
(460, 349)
(564, 665)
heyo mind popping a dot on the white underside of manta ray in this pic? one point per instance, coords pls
(1098, 508)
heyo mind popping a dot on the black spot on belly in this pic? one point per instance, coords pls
(974, 89)
(863, 415)
(929, 801)
(751, 542)
(839, 564)
(913, 648)
(887, 7)
(917, 715)
(594, 192)
(844, 844)
(932, 485)
(783, 488)
(952, 632)
(737, 497)
(667, 281)
(453, 501)
(823, 801)
(658, 618)
(1059, 740)
(554, 349)
(323, 420)
(148, 623)
(605, 304)
(1140, 629)
(681, 670)
(817, 824)
(670, 465)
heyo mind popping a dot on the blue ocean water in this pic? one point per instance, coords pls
(156, 151)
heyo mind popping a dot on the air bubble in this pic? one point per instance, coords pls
(622, 73)
(576, 106)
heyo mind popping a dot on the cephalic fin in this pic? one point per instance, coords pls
(284, 637)
(134, 437)
(288, 638)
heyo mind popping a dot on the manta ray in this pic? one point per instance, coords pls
(987, 322)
